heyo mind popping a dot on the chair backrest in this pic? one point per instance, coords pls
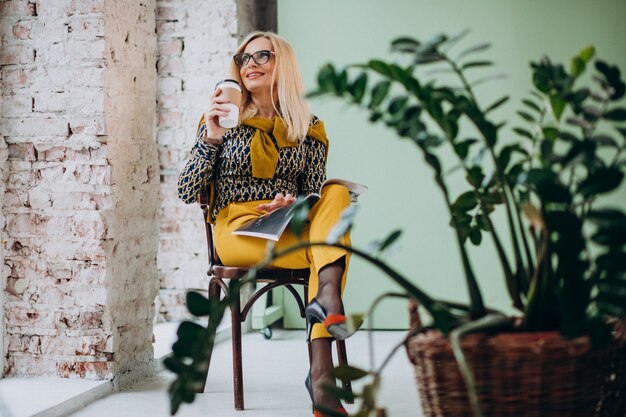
(269, 274)
(213, 258)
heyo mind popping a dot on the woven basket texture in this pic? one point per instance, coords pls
(521, 374)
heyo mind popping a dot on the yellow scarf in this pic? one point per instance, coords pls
(263, 152)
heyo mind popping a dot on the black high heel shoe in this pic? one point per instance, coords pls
(335, 323)
(308, 383)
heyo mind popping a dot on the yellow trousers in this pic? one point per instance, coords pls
(235, 250)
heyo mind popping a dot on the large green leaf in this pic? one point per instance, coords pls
(358, 87)
(341, 82)
(476, 64)
(523, 132)
(534, 106)
(405, 44)
(348, 373)
(604, 140)
(175, 365)
(557, 104)
(612, 261)
(608, 217)
(465, 202)
(326, 78)
(393, 236)
(379, 92)
(379, 66)
(547, 184)
(475, 176)
(616, 114)
(190, 330)
(462, 147)
(526, 116)
(397, 104)
(475, 236)
(579, 62)
(613, 78)
(474, 49)
(497, 104)
(601, 181)
(614, 236)
(198, 305)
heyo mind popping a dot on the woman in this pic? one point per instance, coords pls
(277, 153)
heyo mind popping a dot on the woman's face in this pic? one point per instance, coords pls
(257, 77)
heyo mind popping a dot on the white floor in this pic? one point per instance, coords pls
(47, 397)
(274, 373)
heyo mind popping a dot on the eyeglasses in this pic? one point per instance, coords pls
(260, 57)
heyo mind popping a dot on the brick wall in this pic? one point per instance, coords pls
(86, 170)
(81, 185)
(196, 39)
(57, 180)
(4, 153)
(132, 236)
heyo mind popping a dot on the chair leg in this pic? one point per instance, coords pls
(342, 356)
(235, 315)
(214, 294)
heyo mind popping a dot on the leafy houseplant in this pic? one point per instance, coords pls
(567, 273)
(568, 270)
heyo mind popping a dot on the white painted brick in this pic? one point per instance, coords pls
(50, 102)
(88, 6)
(35, 127)
(85, 101)
(90, 51)
(85, 125)
(17, 8)
(16, 54)
(52, 11)
(15, 78)
(48, 31)
(86, 28)
(169, 85)
(17, 106)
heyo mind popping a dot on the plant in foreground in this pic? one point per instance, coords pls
(567, 272)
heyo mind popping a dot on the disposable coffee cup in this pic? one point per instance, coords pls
(231, 91)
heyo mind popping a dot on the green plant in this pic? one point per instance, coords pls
(568, 269)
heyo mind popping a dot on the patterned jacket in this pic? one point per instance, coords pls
(301, 169)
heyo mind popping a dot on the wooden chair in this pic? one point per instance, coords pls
(274, 278)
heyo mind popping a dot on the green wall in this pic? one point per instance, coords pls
(402, 193)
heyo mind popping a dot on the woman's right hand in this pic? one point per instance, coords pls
(214, 132)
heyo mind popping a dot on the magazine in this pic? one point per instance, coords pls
(272, 225)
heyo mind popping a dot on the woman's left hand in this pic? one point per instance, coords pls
(279, 201)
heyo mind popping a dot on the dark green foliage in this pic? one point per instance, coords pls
(554, 168)
(548, 175)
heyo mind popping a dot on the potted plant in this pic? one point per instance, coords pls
(567, 277)
(562, 354)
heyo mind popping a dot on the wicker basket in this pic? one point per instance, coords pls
(521, 374)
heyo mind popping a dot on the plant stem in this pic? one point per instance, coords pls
(370, 318)
(429, 303)
(529, 257)
(521, 270)
(489, 322)
(477, 304)
(511, 282)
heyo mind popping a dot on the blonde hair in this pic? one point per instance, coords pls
(286, 78)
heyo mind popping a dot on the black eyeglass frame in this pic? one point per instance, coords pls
(243, 55)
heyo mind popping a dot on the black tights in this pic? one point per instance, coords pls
(329, 296)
